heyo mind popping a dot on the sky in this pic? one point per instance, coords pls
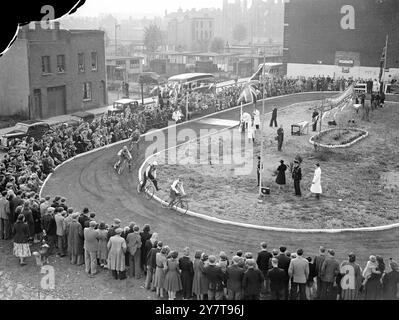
(93, 8)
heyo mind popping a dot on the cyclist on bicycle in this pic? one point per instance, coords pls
(176, 190)
(124, 155)
(150, 174)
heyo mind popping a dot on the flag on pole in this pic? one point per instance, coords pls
(383, 60)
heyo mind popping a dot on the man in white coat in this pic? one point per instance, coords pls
(246, 120)
(316, 183)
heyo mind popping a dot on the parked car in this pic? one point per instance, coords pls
(32, 129)
(78, 117)
(120, 106)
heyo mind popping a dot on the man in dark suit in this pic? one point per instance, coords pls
(277, 281)
(252, 281)
(284, 264)
(263, 264)
(83, 217)
(234, 275)
(274, 118)
(15, 201)
(297, 177)
(215, 277)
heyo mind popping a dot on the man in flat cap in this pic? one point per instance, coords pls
(75, 240)
(49, 227)
(252, 281)
(329, 271)
(215, 277)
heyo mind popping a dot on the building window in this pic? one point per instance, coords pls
(81, 62)
(134, 63)
(120, 63)
(87, 91)
(206, 34)
(46, 64)
(94, 61)
(61, 63)
(210, 24)
(202, 24)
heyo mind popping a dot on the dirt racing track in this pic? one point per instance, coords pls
(90, 181)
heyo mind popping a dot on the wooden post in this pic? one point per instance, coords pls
(262, 156)
(186, 107)
(321, 114)
(142, 94)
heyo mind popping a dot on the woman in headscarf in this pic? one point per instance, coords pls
(280, 180)
(159, 277)
(373, 286)
(172, 282)
(351, 278)
(27, 212)
(197, 275)
(21, 240)
(102, 252)
(390, 282)
(223, 263)
(145, 235)
(203, 278)
(187, 273)
(116, 255)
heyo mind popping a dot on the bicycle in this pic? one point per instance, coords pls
(180, 202)
(148, 191)
(122, 166)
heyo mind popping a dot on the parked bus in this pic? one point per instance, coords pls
(193, 81)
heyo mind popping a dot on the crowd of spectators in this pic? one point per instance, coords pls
(215, 99)
(136, 252)
(277, 86)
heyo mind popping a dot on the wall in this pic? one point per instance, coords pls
(52, 43)
(314, 31)
(82, 42)
(14, 80)
(310, 70)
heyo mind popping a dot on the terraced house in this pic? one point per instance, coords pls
(50, 72)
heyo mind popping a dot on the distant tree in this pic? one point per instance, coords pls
(217, 45)
(239, 33)
(153, 38)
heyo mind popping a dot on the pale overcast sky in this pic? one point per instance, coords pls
(151, 7)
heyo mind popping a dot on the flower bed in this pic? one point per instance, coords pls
(338, 137)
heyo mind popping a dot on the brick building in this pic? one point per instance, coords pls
(50, 72)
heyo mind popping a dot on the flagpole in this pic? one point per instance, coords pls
(385, 62)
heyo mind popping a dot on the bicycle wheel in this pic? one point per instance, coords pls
(183, 204)
(149, 194)
(138, 187)
(121, 167)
